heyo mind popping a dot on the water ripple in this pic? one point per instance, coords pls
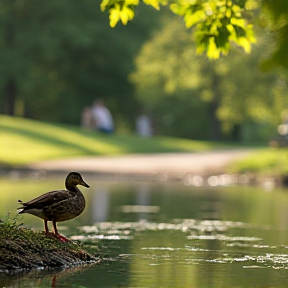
(207, 241)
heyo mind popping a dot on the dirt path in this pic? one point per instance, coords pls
(204, 162)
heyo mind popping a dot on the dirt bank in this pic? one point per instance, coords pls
(22, 248)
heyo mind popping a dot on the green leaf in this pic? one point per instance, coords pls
(212, 51)
(131, 2)
(245, 43)
(153, 3)
(240, 32)
(104, 5)
(252, 4)
(238, 21)
(126, 14)
(222, 39)
(114, 15)
(182, 7)
(121, 12)
(193, 18)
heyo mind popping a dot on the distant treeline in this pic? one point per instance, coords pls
(57, 57)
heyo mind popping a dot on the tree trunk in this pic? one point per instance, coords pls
(214, 122)
(10, 96)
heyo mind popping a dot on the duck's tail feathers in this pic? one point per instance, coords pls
(20, 210)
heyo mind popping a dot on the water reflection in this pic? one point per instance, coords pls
(100, 204)
(143, 199)
(151, 235)
(42, 278)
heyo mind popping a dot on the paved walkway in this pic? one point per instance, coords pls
(202, 162)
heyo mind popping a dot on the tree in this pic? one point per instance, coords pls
(277, 11)
(168, 69)
(58, 56)
(40, 41)
(217, 23)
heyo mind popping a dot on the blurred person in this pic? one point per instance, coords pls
(102, 117)
(143, 125)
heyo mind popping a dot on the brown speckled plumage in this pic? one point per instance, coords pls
(59, 205)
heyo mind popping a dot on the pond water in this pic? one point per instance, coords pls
(165, 235)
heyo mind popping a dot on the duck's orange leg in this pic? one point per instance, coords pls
(46, 227)
(61, 237)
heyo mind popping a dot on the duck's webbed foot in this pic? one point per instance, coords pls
(58, 235)
(62, 238)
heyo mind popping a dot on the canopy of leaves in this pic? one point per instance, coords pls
(168, 69)
(217, 22)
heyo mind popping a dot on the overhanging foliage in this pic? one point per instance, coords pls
(217, 23)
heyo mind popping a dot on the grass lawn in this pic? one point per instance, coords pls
(24, 141)
(267, 160)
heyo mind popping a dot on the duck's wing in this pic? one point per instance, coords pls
(48, 199)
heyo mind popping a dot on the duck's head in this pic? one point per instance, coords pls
(74, 179)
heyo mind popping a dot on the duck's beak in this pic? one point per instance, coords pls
(85, 184)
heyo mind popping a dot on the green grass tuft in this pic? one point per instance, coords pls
(269, 161)
(23, 248)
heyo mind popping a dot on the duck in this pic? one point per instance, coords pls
(59, 205)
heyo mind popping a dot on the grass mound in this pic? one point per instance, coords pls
(23, 248)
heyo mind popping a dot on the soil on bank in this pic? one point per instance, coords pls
(22, 248)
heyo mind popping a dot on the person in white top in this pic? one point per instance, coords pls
(143, 126)
(102, 117)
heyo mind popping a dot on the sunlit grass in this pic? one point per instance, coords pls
(24, 141)
(268, 160)
(186, 144)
